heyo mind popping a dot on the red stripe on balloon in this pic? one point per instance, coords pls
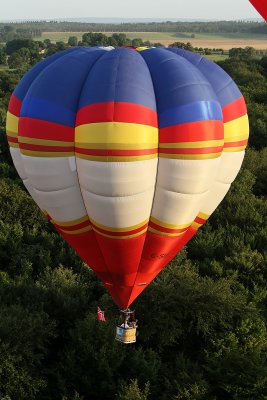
(166, 230)
(234, 110)
(40, 129)
(73, 227)
(107, 152)
(192, 132)
(237, 144)
(200, 220)
(12, 139)
(118, 112)
(14, 105)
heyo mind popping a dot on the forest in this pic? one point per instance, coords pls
(202, 322)
(31, 29)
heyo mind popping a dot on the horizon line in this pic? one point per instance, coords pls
(135, 19)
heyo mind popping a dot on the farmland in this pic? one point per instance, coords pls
(223, 41)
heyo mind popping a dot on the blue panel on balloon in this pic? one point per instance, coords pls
(225, 88)
(121, 75)
(28, 78)
(54, 94)
(180, 86)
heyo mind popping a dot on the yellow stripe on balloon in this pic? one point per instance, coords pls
(13, 144)
(238, 138)
(78, 231)
(239, 126)
(12, 124)
(73, 222)
(116, 132)
(12, 134)
(196, 225)
(116, 146)
(234, 149)
(120, 237)
(116, 158)
(190, 156)
(44, 142)
(126, 229)
(164, 233)
(33, 153)
(203, 215)
(168, 226)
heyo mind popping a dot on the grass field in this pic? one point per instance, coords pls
(3, 67)
(216, 57)
(225, 42)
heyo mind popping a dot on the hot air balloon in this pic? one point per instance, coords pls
(128, 152)
(261, 7)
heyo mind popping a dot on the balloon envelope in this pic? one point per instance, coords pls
(261, 7)
(127, 152)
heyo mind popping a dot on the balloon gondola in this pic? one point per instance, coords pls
(127, 152)
(127, 327)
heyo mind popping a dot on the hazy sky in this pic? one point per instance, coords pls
(36, 9)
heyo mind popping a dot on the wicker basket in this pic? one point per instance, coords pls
(125, 335)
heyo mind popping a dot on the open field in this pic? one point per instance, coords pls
(3, 67)
(226, 41)
(216, 57)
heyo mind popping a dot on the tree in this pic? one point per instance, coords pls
(61, 46)
(8, 28)
(94, 39)
(16, 44)
(132, 391)
(182, 45)
(20, 59)
(242, 53)
(207, 51)
(121, 39)
(137, 42)
(51, 49)
(73, 41)
(2, 57)
(75, 397)
(47, 43)
(25, 335)
(112, 41)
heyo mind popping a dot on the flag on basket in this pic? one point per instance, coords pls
(100, 315)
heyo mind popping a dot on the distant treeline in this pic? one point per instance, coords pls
(225, 27)
(20, 54)
(17, 31)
